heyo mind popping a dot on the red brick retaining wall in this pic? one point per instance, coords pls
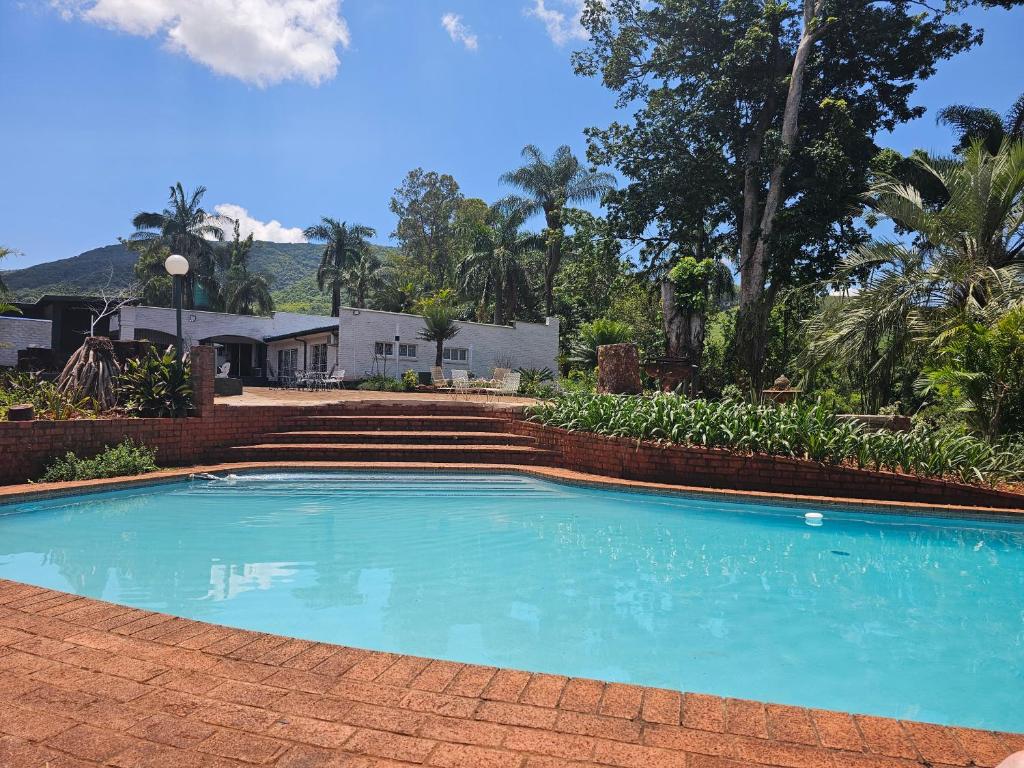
(714, 468)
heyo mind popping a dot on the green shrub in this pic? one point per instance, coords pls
(47, 401)
(800, 430)
(381, 383)
(156, 385)
(597, 334)
(410, 380)
(533, 382)
(127, 458)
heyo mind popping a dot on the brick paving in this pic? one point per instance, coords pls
(85, 683)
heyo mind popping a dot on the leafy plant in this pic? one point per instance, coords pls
(156, 385)
(381, 383)
(799, 430)
(45, 397)
(127, 458)
(596, 334)
(533, 382)
(410, 380)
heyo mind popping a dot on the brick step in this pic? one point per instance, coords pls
(393, 423)
(404, 437)
(385, 452)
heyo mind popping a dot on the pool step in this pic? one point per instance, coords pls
(409, 437)
(385, 452)
(401, 422)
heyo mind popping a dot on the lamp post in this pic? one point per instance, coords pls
(177, 268)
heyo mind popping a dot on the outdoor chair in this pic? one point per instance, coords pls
(499, 375)
(223, 371)
(509, 385)
(460, 382)
(336, 380)
(437, 378)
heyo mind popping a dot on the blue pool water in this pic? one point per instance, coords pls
(901, 616)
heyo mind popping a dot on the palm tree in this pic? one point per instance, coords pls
(185, 228)
(365, 277)
(438, 326)
(6, 307)
(343, 245)
(550, 186)
(987, 125)
(494, 267)
(245, 292)
(966, 265)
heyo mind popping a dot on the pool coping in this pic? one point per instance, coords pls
(91, 683)
(24, 491)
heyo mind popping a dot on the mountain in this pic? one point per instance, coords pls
(291, 265)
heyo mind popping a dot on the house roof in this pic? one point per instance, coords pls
(307, 332)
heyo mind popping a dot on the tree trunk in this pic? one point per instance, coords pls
(499, 303)
(553, 219)
(684, 331)
(439, 357)
(754, 306)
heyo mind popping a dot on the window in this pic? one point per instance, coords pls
(287, 361)
(456, 354)
(407, 350)
(384, 349)
(319, 352)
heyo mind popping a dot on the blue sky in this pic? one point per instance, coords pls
(108, 102)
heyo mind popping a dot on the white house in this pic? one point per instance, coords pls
(20, 333)
(362, 342)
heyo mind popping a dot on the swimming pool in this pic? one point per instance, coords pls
(900, 616)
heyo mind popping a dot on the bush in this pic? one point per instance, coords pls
(46, 399)
(533, 382)
(381, 383)
(156, 385)
(124, 459)
(799, 430)
(410, 380)
(597, 334)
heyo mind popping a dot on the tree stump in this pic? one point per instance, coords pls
(22, 412)
(618, 369)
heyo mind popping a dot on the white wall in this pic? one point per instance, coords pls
(525, 345)
(21, 333)
(196, 325)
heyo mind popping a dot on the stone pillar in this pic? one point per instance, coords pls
(618, 369)
(204, 363)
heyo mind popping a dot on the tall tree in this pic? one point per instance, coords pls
(366, 275)
(495, 265)
(344, 244)
(426, 204)
(981, 123)
(185, 228)
(551, 185)
(760, 118)
(245, 292)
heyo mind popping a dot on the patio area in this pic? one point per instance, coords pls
(269, 396)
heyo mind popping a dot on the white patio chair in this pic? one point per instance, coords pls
(460, 382)
(223, 371)
(509, 385)
(336, 380)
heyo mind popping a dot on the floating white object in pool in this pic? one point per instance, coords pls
(813, 518)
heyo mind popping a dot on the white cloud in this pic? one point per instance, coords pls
(273, 231)
(562, 26)
(257, 41)
(458, 31)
